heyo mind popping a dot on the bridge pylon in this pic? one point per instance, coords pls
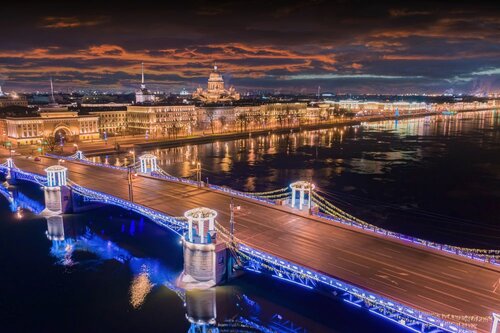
(58, 198)
(148, 163)
(10, 165)
(302, 189)
(204, 257)
(79, 155)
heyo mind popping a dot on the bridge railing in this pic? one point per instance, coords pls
(86, 161)
(401, 314)
(241, 194)
(473, 254)
(161, 219)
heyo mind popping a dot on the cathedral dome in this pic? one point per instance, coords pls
(215, 75)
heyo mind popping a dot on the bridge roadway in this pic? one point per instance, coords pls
(422, 279)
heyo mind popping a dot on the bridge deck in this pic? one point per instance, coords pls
(424, 280)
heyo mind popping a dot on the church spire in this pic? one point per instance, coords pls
(143, 85)
(52, 91)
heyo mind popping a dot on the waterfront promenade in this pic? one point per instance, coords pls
(437, 284)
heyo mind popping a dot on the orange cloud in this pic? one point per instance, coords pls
(239, 59)
(62, 22)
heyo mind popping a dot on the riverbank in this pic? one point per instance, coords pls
(139, 142)
(277, 130)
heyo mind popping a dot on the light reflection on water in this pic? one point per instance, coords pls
(435, 177)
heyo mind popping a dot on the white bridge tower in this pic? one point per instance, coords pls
(204, 257)
(57, 193)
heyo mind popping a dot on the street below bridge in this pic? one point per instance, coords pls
(441, 285)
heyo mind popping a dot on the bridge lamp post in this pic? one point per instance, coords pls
(198, 168)
(133, 155)
(232, 209)
(130, 185)
(11, 151)
(198, 172)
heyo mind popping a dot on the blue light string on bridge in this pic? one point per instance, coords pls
(368, 297)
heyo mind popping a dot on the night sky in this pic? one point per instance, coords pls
(342, 46)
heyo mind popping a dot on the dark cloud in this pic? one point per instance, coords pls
(342, 45)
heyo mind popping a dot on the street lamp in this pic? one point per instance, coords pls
(130, 186)
(12, 151)
(232, 208)
(133, 155)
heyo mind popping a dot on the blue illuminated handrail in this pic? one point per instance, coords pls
(370, 298)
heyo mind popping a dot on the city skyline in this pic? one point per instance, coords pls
(341, 46)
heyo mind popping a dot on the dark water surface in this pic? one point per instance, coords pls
(108, 270)
(437, 178)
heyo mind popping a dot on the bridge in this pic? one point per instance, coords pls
(423, 286)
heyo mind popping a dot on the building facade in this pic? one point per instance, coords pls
(111, 122)
(53, 122)
(15, 100)
(162, 120)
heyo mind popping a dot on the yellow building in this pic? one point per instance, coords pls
(111, 122)
(159, 120)
(54, 121)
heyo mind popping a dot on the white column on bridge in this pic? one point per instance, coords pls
(57, 194)
(200, 217)
(201, 226)
(496, 323)
(190, 229)
(301, 200)
(56, 176)
(148, 163)
(301, 187)
(10, 165)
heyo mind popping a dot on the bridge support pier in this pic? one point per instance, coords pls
(204, 258)
(58, 196)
